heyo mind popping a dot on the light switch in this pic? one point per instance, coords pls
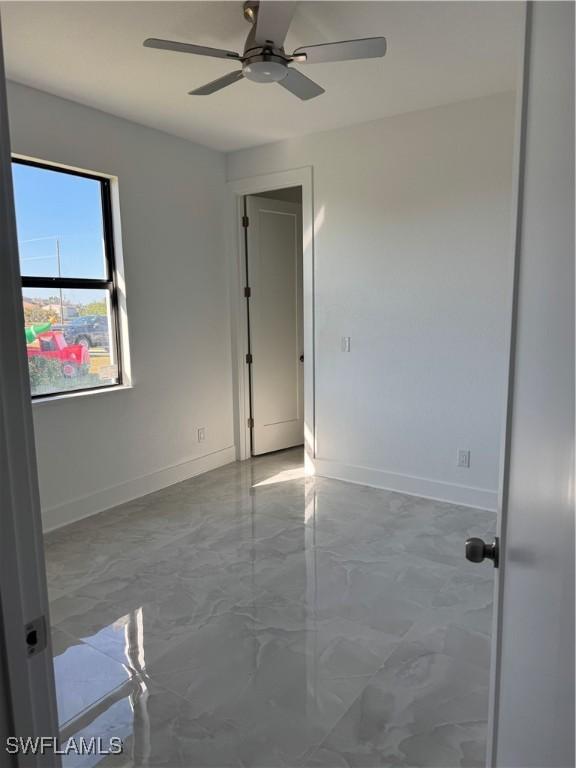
(464, 458)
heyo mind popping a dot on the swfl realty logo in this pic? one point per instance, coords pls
(46, 745)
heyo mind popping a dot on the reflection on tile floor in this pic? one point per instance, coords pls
(256, 617)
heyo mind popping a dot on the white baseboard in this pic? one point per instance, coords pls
(85, 506)
(464, 495)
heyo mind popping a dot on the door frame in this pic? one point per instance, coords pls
(236, 191)
(506, 425)
(28, 696)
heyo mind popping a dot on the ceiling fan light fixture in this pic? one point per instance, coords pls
(265, 69)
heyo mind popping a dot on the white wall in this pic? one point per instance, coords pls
(412, 254)
(95, 451)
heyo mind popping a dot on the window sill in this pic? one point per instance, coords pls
(76, 395)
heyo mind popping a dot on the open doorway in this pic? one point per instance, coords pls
(267, 319)
(272, 224)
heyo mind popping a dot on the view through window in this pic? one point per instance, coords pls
(65, 241)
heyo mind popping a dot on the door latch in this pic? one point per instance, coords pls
(35, 636)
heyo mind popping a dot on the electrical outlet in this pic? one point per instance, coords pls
(201, 434)
(463, 458)
(345, 343)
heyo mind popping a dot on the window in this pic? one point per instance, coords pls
(64, 224)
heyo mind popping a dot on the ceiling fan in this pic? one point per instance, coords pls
(264, 59)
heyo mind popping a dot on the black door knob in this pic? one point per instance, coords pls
(301, 358)
(477, 550)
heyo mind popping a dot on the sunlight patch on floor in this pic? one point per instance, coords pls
(283, 477)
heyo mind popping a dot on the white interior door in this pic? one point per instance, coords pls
(274, 270)
(534, 690)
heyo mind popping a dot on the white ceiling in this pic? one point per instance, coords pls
(91, 52)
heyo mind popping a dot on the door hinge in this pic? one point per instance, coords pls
(35, 636)
(245, 221)
(247, 292)
(249, 358)
(250, 422)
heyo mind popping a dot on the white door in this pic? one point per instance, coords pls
(534, 691)
(274, 270)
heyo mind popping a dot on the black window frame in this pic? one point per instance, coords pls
(109, 283)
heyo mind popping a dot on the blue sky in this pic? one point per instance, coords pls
(55, 209)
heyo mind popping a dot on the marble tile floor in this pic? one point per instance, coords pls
(253, 616)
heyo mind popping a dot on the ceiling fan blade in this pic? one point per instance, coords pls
(217, 85)
(367, 48)
(272, 21)
(199, 50)
(300, 85)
